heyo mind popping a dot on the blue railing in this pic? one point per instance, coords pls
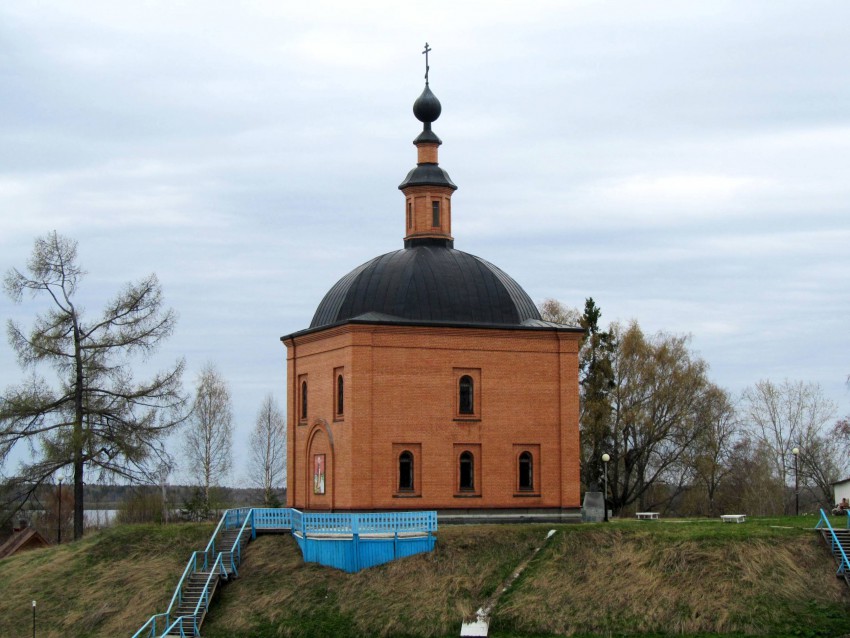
(376, 524)
(835, 546)
(180, 624)
(206, 593)
(236, 548)
(346, 541)
(148, 630)
(276, 519)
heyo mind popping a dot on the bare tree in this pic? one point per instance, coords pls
(658, 385)
(209, 435)
(788, 415)
(711, 454)
(95, 415)
(751, 481)
(556, 312)
(268, 451)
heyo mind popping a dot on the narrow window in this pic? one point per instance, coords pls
(526, 471)
(467, 472)
(340, 395)
(303, 400)
(435, 213)
(405, 471)
(466, 402)
(409, 215)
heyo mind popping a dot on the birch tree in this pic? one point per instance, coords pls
(268, 451)
(92, 415)
(209, 434)
(782, 416)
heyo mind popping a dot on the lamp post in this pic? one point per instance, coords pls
(605, 458)
(796, 453)
(33, 619)
(59, 517)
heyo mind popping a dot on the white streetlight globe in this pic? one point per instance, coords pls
(605, 458)
(795, 451)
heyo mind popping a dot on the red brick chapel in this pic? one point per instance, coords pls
(427, 379)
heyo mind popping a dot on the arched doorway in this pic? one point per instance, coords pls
(319, 466)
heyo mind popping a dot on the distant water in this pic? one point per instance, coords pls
(99, 518)
(92, 518)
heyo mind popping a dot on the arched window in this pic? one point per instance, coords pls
(340, 395)
(526, 471)
(435, 213)
(467, 472)
(303, 400)
(466, 403)
(405, 471)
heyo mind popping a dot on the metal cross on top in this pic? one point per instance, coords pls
(427, 49)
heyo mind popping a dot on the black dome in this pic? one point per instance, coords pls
(427, 107)
(427, 284)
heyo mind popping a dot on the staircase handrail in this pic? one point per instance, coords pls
(237, 543)
(209, 550)
(237, 514)
(178, 624)
(205, 592)
(191, 566)
(844, 563)
(151, 633)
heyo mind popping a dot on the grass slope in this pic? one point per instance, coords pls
(107, 584)
(766, 577)
(688, 578)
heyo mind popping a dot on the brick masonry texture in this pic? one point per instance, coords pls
(401, 393)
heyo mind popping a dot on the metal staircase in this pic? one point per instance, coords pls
(204, 572)
(838, 542)
(193, 593)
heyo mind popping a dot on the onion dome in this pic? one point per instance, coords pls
(427, 107)
(428, 282)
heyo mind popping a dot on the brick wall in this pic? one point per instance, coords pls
(401, 387)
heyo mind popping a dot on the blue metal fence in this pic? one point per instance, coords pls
(352, 542)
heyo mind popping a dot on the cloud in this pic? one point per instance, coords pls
(682, 163)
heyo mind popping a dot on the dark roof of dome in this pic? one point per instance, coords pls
(428, 284)
(427, 175)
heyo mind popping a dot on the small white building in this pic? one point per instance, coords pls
(842, 489)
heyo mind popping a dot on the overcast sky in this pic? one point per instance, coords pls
(686, 164)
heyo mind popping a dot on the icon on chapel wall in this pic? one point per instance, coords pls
(318, 474)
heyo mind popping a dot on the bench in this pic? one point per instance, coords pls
(646, 516)
(734, 518)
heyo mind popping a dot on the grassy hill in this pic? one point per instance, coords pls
(769, 577)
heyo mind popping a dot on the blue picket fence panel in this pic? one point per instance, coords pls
(273, 519)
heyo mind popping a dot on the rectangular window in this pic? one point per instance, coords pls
(435, 213)
(409, 215)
